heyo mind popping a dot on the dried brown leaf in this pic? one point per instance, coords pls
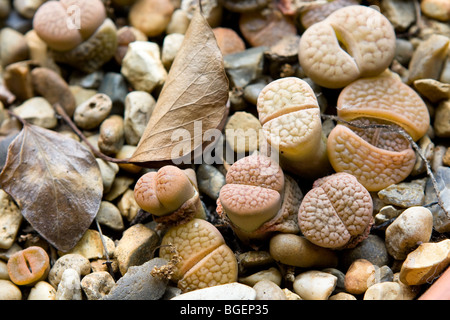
(195, 93)
(56, 182)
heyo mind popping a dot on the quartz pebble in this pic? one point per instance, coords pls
(37, 111)
(42, 291)
(314, 285)
(96, 285)
(229, 291)
(73, 261)
(10, 220)
(179, 22)
(210, 180)
(342, 296)
(384, 291)
(139, 283)
(271, 274)
(151, 16)
(412, 227)
(69, 288)
(93, 111)
(27, 8)
(9, 291)
(112, 137)
(128, 206)
(436, 9)
(171, 44)
(142, 66)
(135, 247)
(268, 290)
(425, 263)
(360, 276)
(139, 106)
(109, 215)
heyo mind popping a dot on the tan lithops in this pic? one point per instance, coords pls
(336, 213)
(376, 156)
(258, 198)
(64, 24)
(352, 42)
(170, 195)
(290, 117)
(204, 259)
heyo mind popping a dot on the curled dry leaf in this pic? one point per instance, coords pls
(55, 181)
(192, 101)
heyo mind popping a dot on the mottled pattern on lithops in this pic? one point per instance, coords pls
(28, 266)
(204, 258)
(258, 171)
(290, 118)
(65, 24)
(337, 213)
(352, 42)
(377, 158)
(168, 194)
(385, 97)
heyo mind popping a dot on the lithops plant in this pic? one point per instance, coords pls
(28, 266)
(353, 42)
(170, 195)
(290, 117)
(377, 157)
(203, 259)
(258, 199)
(337, 212)
(77, 32)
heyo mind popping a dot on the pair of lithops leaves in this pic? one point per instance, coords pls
(78, 32)
(259, 199)
(378, 157)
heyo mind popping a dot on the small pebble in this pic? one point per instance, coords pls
(116, 88)
(27, 8)
(91, 113)
(412, 227)
(291, 295)
(407, 292)
(171, 44)
(109, 215)
(252, 91)
(128, 206)
(245, 66)
(342, 296)
(139, 283)
(228, 40)
(108, 171)
(229, 291)
(432, 89)
(210, 180)
(42, 291)
(72, 261)
(37, 111)
(271, 274)
(91, 245)
(436, 9)
(136, 246)
(13, 46)
(268, 290)
(9, 291)
(120, 184)
(359, 276)
(179, 22)
(403, 51)
(400, 13)
(340, 284)
(441, 221)
(139, 106)
(4, 271)
(10, 220)
(442, 120)
(387, 213)
(142, 66)
(96, 285)
(112, 135)
(151, 16)
(425, 263)
(69, 288)
(314, 285)
(81, 94)
(404, 194)
(127, 152)
(384, 291)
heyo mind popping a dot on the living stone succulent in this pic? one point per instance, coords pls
(376, 156)
(28, 266)
(353, 42)
(337, 212)
(170, 195)
(203, 259)
(259, 199)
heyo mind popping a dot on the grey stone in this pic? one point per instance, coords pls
(399, 12)
(441, 221)
(373, 249)
(87, 81)
(403, 51)
(210, 180)
(245, 66)
(115, 86)
(404, 194)
(139, 284)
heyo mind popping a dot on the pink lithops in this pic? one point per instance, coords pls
(353, 42)
(170, 195)
(204, 258)
(377, 157)
(259, 198)
(290, 117)
(337, 212)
